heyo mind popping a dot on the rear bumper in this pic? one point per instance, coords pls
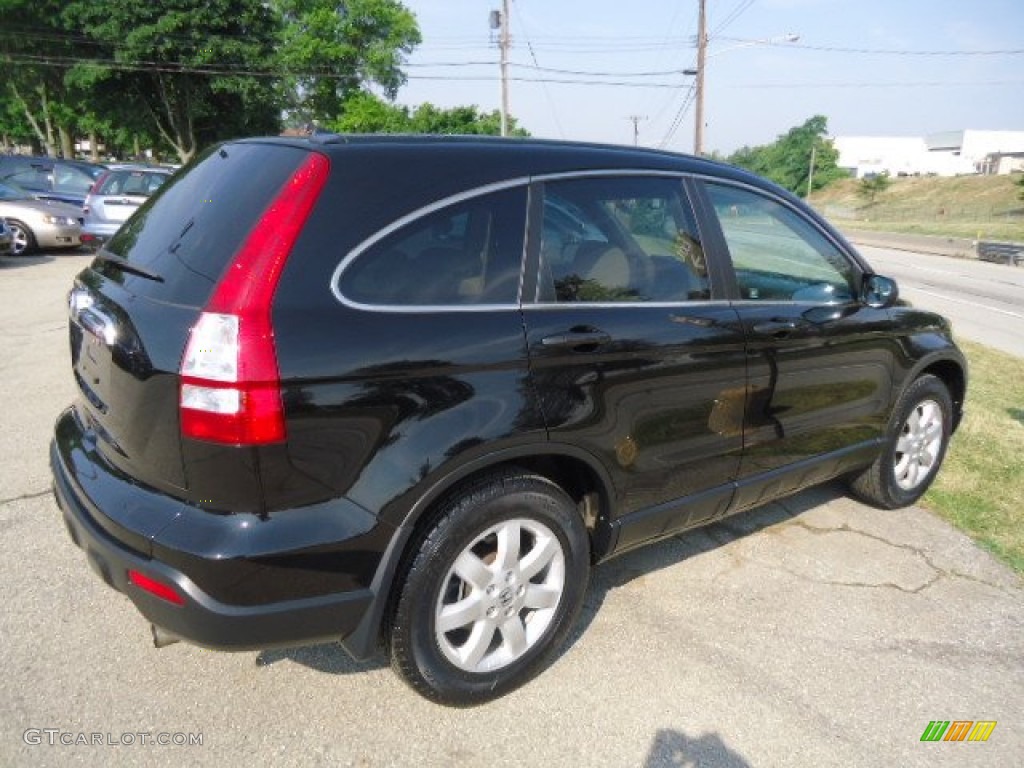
(208, 558)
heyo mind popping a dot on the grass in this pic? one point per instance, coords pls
(975, 207)
(980, 488)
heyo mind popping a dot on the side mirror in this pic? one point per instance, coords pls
(879, 292)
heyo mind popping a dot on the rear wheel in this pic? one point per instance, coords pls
(24, 241)
(492, 591)
(918, 435)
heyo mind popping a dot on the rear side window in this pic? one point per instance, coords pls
(467, 253)
(188, 231)
(629, 239)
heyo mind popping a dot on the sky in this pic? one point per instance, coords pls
(872, 67)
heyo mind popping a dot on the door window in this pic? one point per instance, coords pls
(620, 240)
(777, 254)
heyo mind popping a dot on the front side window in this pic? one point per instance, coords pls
(464, 254)
(628, 239)
(777, 254)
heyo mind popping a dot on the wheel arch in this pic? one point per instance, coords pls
(951, 371)
(578, 473)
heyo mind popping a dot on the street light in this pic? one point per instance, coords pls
(702, 56)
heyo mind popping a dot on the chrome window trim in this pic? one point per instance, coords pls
(520, 181)
(409, 218)
(548, 305)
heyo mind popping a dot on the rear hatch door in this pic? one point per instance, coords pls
(132, 309)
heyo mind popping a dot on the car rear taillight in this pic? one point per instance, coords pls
(230, 387)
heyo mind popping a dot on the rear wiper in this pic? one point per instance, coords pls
(126, 266)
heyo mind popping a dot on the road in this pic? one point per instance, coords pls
(814, 632)
(985, 301)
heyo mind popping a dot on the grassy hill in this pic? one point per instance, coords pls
(983, 207)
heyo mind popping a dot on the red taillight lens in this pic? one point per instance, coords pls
(230, 385)
(157, 588)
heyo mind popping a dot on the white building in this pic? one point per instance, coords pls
(952, 153)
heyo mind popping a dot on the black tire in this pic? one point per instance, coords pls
(505, 631)
(916, 442)
(24, 240)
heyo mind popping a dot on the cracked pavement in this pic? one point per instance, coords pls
(812, 632)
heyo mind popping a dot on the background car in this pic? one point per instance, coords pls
(6, 239)
(38, 223)
(115, 196)
(49, 178)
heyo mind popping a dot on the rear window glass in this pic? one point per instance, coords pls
(141, 183)
(465, 253)
(188, 231)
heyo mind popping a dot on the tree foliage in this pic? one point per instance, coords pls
(186, 65)
(787, 161)
(335, 47)
(1020, 183)
(365, 113)
(870, 187)
(179, 74)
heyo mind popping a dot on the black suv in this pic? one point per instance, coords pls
(410, 390)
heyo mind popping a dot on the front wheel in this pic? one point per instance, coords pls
(24, 242)
(492, 591)
(919, 432)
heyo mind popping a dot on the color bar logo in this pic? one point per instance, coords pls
(958, 730)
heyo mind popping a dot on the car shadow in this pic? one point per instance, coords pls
(1017, 414)
(332, 659)
(649, 559)
(13, 262)
(672, 748)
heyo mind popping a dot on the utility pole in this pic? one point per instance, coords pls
(810, 172)
(702, 49)
(636, 127)
(504, 43)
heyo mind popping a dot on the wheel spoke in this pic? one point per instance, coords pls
(540, 597)
(477, 644)
(914, 421)
(513, 634)
(904, 444)
(508, 546)
(459, 614)
(544, 550)
(472, 569)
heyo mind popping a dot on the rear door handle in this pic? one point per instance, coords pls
(576, 339)
(779, 328)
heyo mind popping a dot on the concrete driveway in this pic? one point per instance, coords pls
(817, 632)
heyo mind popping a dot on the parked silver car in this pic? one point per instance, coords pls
(115, 196)
(39, 223)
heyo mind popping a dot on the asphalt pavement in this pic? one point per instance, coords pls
(813, 632)
(985, 301)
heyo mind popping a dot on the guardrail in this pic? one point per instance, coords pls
(1001, 252)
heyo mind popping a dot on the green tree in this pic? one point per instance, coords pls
(788, 161)
(870, 187)
(195, 70)
(1020, 183)
(365, 113)
(34, 46)
(335, 48)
